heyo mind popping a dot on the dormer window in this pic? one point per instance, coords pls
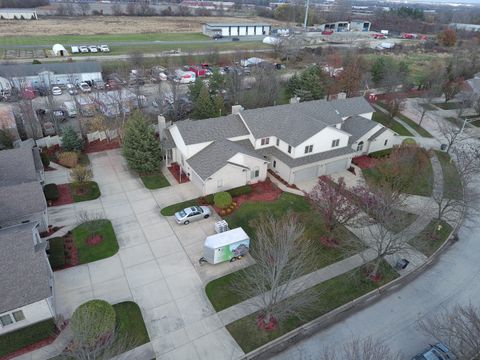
(289, 149)
(308, 149)
(335, 143)
(265, 141)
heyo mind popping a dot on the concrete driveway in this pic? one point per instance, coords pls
(152, 267)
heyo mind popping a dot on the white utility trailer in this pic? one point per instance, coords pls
(226, 246)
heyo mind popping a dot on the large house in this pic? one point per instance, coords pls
(26, 278)
(299, 142)
(21, 194)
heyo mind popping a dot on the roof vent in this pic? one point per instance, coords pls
(236, 109)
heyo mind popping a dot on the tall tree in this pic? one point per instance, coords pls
(195, 89)
(203, 107)
(311, 84)
(378, 70)
(70, 140)
(368, 349)
(141, 148)
(216, 82)
(350, 79)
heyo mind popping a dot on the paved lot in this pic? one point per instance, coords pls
(154, 267)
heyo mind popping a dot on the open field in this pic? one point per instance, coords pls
(112, 28)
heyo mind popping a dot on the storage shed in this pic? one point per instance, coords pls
(59, 50)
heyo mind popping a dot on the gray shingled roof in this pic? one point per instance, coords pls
(17, 166)
(18, 70)
(357, 126)
(304, 160)
(199, 131)
(215, 156)
(352, 106)
(293, 123)
(168, 142)
(378, 133)
(24, 272)
(19, 200)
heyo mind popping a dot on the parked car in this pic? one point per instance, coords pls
(72, 90)
(217, 36)
(85, 87)
(235, 39)
(93, 48)
(436, 352)
(56, 90)
(48, 129)
(193, 213)
(83, 49)
(75, 50)
(104, 48)
(99, 84)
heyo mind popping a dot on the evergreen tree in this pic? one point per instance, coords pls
(70, 140)
(378, 71)
(204, 107)
(195, 88)
(141, 148)
(219, 105)
(311, 84)
(216, 83)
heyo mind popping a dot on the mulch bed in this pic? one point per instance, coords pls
(94, 240)
(65, 197)
(276, 176)
(329, 242)
(174, 169)
(51, 231)
(364, 162)
(101, 145)
(29, 348)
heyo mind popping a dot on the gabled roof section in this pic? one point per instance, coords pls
(358, 126)
(216, 155)
(20, 200)
(18, 166)
(352, 106)
(24, 272)
(378, 133)
(200, 131)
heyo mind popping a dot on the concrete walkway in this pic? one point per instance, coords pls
(49, 351)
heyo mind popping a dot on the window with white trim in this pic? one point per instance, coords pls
(11, 318)
(360, 146)
(255, 173)
(265, 141)
(335, 143)
(308, 149)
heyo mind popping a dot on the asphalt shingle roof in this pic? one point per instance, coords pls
(24, 272)
(168, 142)
(357, 126)
(216, 155)
(17, 166)
(19, 200)
(352, 106)
(19, 70)
(199, 131)
(378, 133)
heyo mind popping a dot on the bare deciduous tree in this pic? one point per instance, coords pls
(451, 134)
(282, 256)
(368, 349)
(458, 328)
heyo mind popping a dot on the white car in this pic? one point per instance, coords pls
(192, 213)
(85, 87)
(104, 48)
(83, 49)
(75, 50)
(93, 49)
(72, 90)
(56, 90)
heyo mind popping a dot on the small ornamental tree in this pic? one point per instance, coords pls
(70, 140)
(81, 175)
(222, 200)
(141, 148)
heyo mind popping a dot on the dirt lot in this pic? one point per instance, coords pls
(94, 25)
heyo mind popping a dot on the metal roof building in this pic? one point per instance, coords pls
(237, 29)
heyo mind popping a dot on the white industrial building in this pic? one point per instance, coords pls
(18, 14)
(59, 50)
(342, 26)
(252, 29)
(36, 75)
(465, 27)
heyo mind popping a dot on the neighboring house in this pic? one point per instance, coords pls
(26, 278)
(21, 193)
(297, 141)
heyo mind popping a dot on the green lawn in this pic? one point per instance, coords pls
(415, 126)
(91, 192)
(452, 185)
(219, 291)
(172, 209)
(130, 324)
(95, 39)
(448, 105)
(154, 181)
(106, 248)
(331, 294)
(384, 119)
(29, 335)
(426, 243)
(57, 253)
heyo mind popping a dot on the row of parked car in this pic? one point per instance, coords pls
(76, 49)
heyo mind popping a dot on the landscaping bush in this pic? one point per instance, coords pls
(242, 190)
(51, 192)
(381, 153)
(56, 254)
(68, 159)
(222, 199)
(45, 159)
(409, 141)
(93, 321)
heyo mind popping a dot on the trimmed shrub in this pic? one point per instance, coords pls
(380, 154)
(222, 199)
(92, 322)
(45, 159)
(51, 192)
(242, 190)
(409, 141)
(68, 159)
(209, 199)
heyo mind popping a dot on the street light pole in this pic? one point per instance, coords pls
(306, 16)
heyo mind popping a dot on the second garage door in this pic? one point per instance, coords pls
(336, 166)
(306, 174)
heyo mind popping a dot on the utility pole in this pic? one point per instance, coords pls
(306, 16)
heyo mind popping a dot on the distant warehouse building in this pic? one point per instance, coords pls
(18, 14)
(252, 29)
(343, 26)
(465, 27)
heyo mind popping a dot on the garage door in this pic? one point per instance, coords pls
(336, 166)
(306, 174)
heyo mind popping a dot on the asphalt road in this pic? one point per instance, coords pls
(455, 278)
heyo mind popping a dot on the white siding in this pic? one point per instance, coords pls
(379, 143)
(33, 313)
(230, 177)
(322, 141)
(280, 168)
(367, 115)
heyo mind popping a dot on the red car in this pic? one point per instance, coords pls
(379, 36)
(198, 70)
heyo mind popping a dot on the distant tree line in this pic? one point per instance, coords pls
(22, 3)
